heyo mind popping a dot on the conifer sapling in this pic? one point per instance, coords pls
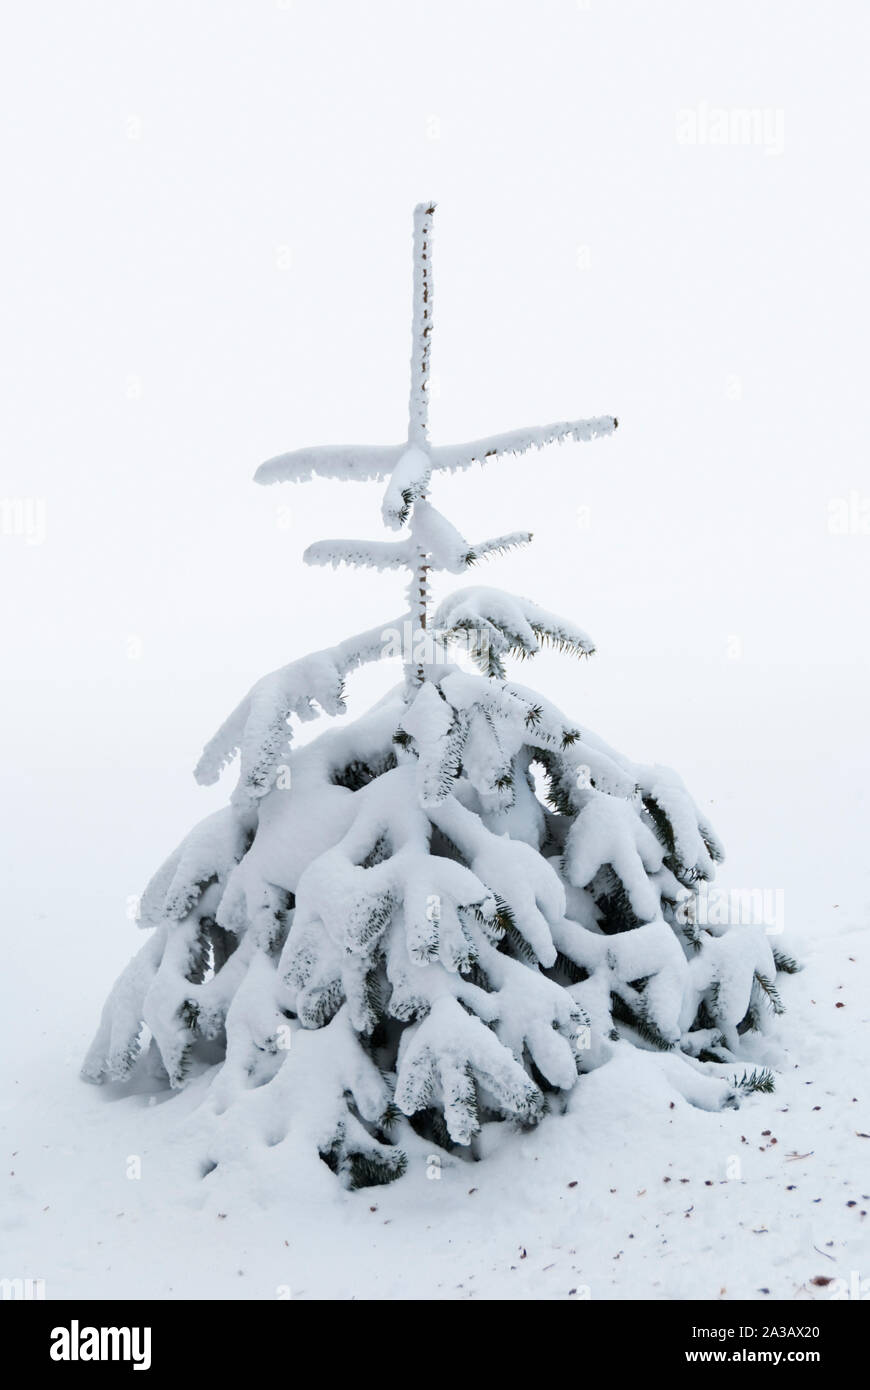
(446, 912)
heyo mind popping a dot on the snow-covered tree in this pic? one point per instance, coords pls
(444, 913)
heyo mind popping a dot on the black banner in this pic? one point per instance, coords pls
(67, 1337)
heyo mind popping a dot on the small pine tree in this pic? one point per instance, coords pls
(442, 913)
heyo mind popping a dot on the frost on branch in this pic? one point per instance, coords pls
(445, 912)
(450, 457)
(371, 463)
(364, 463)
(258, 728)
(499, 624)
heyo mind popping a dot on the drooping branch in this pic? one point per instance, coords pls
(498, 623)
(258, 726)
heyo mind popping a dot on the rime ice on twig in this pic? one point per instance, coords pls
(421, 328)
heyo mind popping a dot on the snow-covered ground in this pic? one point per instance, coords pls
(633, 1194)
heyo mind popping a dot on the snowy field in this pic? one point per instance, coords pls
(211, 255)
(633, 1194)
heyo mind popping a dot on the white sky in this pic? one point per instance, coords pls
(206, 256)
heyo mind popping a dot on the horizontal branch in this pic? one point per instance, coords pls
(378, 555)
(361, 463)
(450, 457)
(368, 462)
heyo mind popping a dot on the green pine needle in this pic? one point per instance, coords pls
(755, 1080)
(786, 963)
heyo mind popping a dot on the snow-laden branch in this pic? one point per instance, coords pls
(370, 462)
(488, 929)
(450, 457)
(438, 539)
(447, 1055)
(363, 463)
(377, 555)
(494, 623)
(498, 545)
(408, 484)
(257, 727)
(432, 537)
